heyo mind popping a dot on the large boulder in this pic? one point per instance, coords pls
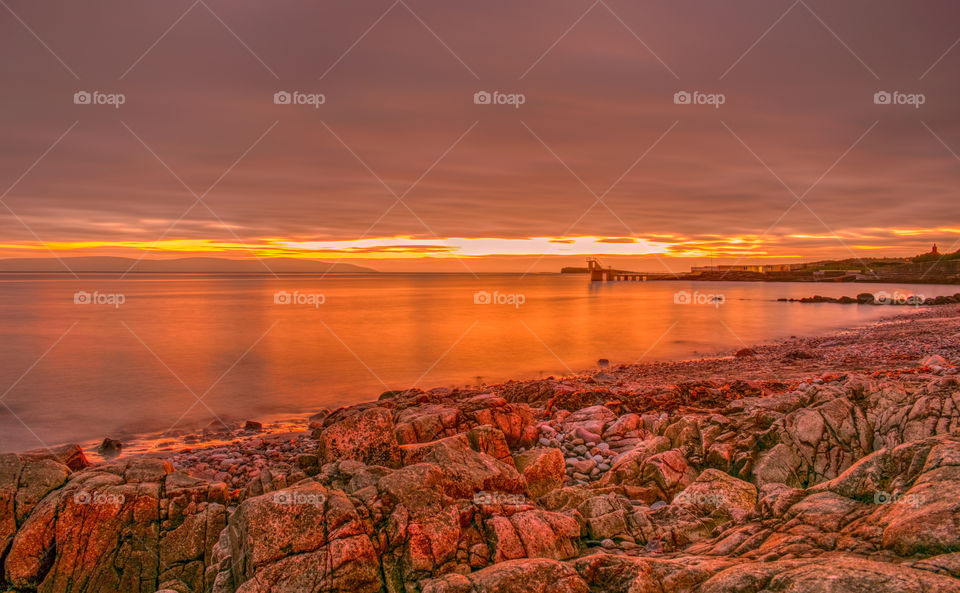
(303, 539)
(467, 471)
(119, 527)
(367, 435)
(513, 576)
(830, 573)
(714, 488)
(543, 470)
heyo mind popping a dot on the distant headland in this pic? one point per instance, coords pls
(932, 267)
(184, 265)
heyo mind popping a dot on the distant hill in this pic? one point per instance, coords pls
(177, 266)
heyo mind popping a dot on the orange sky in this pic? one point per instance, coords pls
(401, 168)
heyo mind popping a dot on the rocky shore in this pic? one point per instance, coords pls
(816, 465)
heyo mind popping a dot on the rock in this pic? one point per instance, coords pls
(70, 455)
(714, 488)
(669, 471)
(934, 361)
(110, 448)
(866, 298)
(366, 436)
(745, 353)
(592, 420)
(253, 425)
(828, 574)
(103, 531)
(513, 576)
(542, 469)
(306, 538)
(603, 363)
(626, 469)
(467, 471)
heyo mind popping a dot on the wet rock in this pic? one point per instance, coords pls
(110, 448)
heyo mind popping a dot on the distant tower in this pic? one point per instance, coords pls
(934, 250)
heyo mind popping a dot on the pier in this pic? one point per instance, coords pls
(600, 274)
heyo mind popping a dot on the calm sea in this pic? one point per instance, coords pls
(83, 359)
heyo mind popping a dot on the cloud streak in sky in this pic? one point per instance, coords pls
(598, 151)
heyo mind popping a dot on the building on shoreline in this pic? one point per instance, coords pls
(759, 268)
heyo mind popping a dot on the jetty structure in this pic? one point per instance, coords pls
(598, 273)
